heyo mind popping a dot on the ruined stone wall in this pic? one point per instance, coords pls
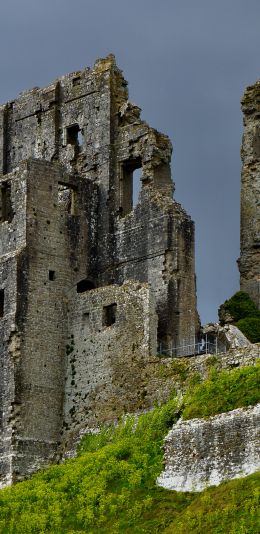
(68, 225)
(155, 244)
(85, 121)
(249, 263)
(51, 209)
(112, 332)
(154, 241)
(201, 453)
(67, 122)
(12, 246)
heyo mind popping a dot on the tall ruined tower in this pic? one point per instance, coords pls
(249, 262)
(85, 277)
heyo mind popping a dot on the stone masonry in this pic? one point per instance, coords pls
(249, 262)
(205, 452)
(89, 283)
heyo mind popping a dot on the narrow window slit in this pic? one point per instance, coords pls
(6, 211)
(2, 302)
(52, 275)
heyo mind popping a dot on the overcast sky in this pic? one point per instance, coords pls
(188, 63)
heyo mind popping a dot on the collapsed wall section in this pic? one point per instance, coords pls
(249, 262)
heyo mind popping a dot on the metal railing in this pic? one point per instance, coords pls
(202, 346)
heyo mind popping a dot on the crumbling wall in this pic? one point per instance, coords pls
(155, 239)
(12, 246)
(201, 453)
(249, 262)
(85, 121)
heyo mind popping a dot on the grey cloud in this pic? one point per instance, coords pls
(188, 64)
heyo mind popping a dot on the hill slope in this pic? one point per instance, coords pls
(110, 486)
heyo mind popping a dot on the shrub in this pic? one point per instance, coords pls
(240, 305)
(250, 326)
(245, 314)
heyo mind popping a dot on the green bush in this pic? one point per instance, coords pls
(245, 314)
(250, 326)
(240, 306)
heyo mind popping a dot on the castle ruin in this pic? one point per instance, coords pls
(89, 283)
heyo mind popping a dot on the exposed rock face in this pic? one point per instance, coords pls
(201, 453)
(249, 262)
(70, 238)
(229, 335)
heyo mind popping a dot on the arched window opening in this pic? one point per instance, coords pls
(85, 285)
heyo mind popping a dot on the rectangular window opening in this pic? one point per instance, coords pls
(2, 302)
(130, 185)
(109, 315)
(6, 211)
(74, 135)
(76, 81)
(52, 275)
(86, 319)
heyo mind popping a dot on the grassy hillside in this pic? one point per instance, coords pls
(110, 486)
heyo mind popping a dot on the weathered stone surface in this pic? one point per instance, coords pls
(229, 335)
(70, 238)
(201, 453)
(249, 262)
(106, 355)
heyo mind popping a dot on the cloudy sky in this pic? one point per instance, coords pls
(188, 63)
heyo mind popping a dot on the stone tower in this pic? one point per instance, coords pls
(89, 283)
(249, 262)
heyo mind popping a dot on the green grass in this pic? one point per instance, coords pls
(110, 486)
(223, 391)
